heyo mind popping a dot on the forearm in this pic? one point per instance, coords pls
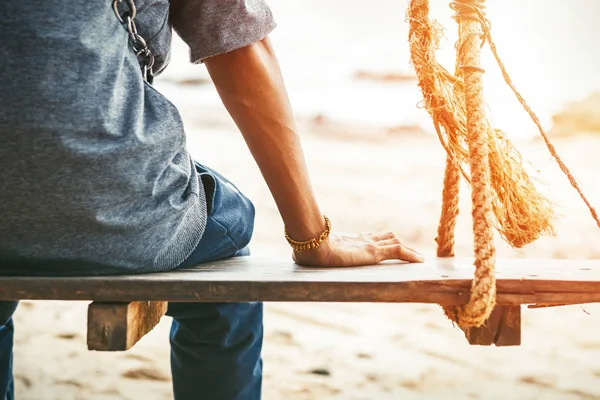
(251, 87)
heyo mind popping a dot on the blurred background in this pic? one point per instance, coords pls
(377, 165)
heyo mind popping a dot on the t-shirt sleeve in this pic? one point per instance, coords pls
(213, 27)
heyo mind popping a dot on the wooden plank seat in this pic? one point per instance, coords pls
(124, 308)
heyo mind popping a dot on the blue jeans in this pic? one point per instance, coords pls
(6, 343)
(215, 347)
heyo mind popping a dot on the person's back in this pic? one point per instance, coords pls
(93, 165)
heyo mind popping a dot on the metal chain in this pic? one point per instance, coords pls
(137, 42)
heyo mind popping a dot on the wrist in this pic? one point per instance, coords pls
(313, 240)
(315, 257)
(307, 227)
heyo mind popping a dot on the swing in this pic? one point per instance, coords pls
(487, 307)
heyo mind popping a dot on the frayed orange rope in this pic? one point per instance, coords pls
(504, 197)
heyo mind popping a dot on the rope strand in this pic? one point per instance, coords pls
(483, 288)
(537, 122)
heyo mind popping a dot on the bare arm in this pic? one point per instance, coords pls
(251, 87)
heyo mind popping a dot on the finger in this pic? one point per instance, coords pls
(390, 242)
(399, 252)
(376, 237)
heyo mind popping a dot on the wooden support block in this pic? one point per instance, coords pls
(503, 328)
(118, 326)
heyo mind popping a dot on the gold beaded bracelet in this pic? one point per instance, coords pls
(313, 243)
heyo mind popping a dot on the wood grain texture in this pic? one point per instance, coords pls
(502, 328)
(119, 326)
(440, 280)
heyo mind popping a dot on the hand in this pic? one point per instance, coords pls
(356, 250)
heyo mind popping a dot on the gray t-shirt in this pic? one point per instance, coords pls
(95, 176)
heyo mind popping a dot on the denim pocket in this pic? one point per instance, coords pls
(230, 222)
(228, 206)
(209, 181)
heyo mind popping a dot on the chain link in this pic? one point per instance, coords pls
(137, 42)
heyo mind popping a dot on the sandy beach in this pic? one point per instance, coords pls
(376, 170)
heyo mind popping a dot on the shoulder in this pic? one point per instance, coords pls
(212, 27)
